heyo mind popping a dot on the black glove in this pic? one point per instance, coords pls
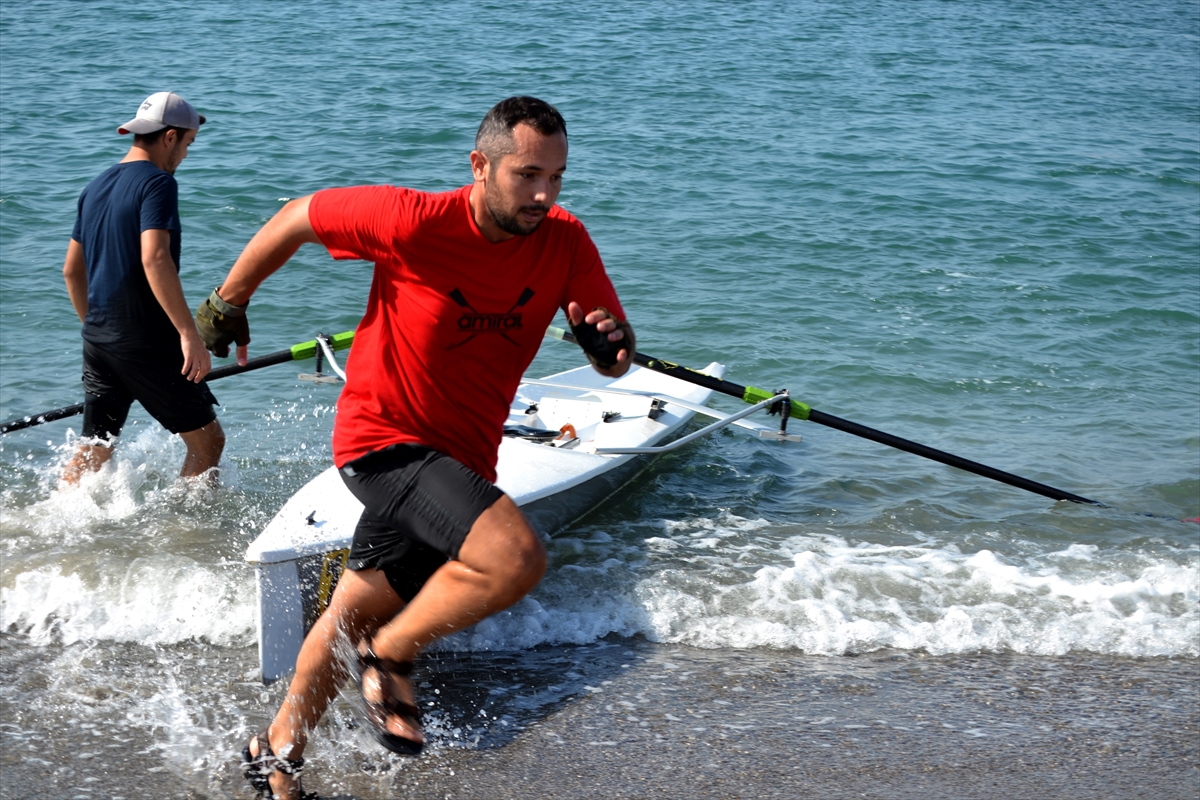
(220, 323)
(596, 346)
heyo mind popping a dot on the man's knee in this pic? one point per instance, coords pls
(502, 543)
(362, 602)
(216, 437)
(208, 440)
(530, 556)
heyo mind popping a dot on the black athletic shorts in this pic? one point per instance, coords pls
(112, 383)
(418, 507)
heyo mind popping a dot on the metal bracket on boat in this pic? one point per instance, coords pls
(659, 403)
(707, 429)
(784, 409)
(324, 352)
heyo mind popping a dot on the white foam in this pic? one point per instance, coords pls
(827, 596)
(141, 475)
(709, 582)
(101, 560)
(156, 600)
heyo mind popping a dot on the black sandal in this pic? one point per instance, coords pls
(258, 769)
(378, 712)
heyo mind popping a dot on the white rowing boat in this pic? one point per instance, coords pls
(571, 440)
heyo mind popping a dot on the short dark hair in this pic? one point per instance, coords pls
(148, 139)
(494, 137)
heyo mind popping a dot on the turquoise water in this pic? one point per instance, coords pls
(971, 224)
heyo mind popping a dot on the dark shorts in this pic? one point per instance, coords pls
(112, 383)
(418, 507)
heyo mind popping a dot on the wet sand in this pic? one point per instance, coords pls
(631, 719)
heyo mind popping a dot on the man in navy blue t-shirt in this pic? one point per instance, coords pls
(122, 272)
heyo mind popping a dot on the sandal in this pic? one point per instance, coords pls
(378, 712)
(258, 769)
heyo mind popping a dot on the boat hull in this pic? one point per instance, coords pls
(301, 553)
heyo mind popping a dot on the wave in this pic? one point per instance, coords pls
(828, 596)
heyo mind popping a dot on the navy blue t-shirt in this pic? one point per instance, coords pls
(114, 209)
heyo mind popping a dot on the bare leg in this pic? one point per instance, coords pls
(87, 458)
(500, 561)
(362, 602)
(204, 448)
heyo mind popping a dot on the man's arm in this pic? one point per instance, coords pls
(270, 249)
(164, 282)
(75, 274)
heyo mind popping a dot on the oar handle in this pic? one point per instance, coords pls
(751, 394)
(297, 352)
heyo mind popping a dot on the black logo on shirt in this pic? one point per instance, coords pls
(474, 323)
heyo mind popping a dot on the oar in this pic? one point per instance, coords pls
(297, 352)
(754, 395)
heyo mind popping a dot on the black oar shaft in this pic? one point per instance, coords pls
(950, 459)
(38, 419)
(268, 360)
(295, 353)
(855, 429)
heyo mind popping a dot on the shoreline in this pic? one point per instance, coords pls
(633, 719)
(731, 724)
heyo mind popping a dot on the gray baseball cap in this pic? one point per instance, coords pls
(161, 110)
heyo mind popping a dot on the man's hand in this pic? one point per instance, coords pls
(607, 341)
(221, 323)
(196, 361)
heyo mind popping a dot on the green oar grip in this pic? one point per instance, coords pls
(339, 341)
(755, 395)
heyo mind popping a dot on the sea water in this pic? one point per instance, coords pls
(974, 224)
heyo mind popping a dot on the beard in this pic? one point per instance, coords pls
(176, 156)
(510, 223)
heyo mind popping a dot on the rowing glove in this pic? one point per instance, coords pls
(221, 323)
(596, 346)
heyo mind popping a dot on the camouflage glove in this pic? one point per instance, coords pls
(220, 323)
(596, 346)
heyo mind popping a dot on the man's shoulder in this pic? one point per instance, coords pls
(376, 193)
(132, 175)
(564, 222)
(372, 200)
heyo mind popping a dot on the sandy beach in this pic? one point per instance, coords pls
(637, 719)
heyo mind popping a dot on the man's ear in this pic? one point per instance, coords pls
(169, 138)
(479, 165)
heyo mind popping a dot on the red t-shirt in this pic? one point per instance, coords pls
(452, 321)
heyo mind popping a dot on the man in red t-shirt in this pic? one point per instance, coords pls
(465, 283)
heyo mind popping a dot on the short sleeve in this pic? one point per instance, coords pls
(77, 231)
(160, 204)
(360, 222)
(589, 284)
